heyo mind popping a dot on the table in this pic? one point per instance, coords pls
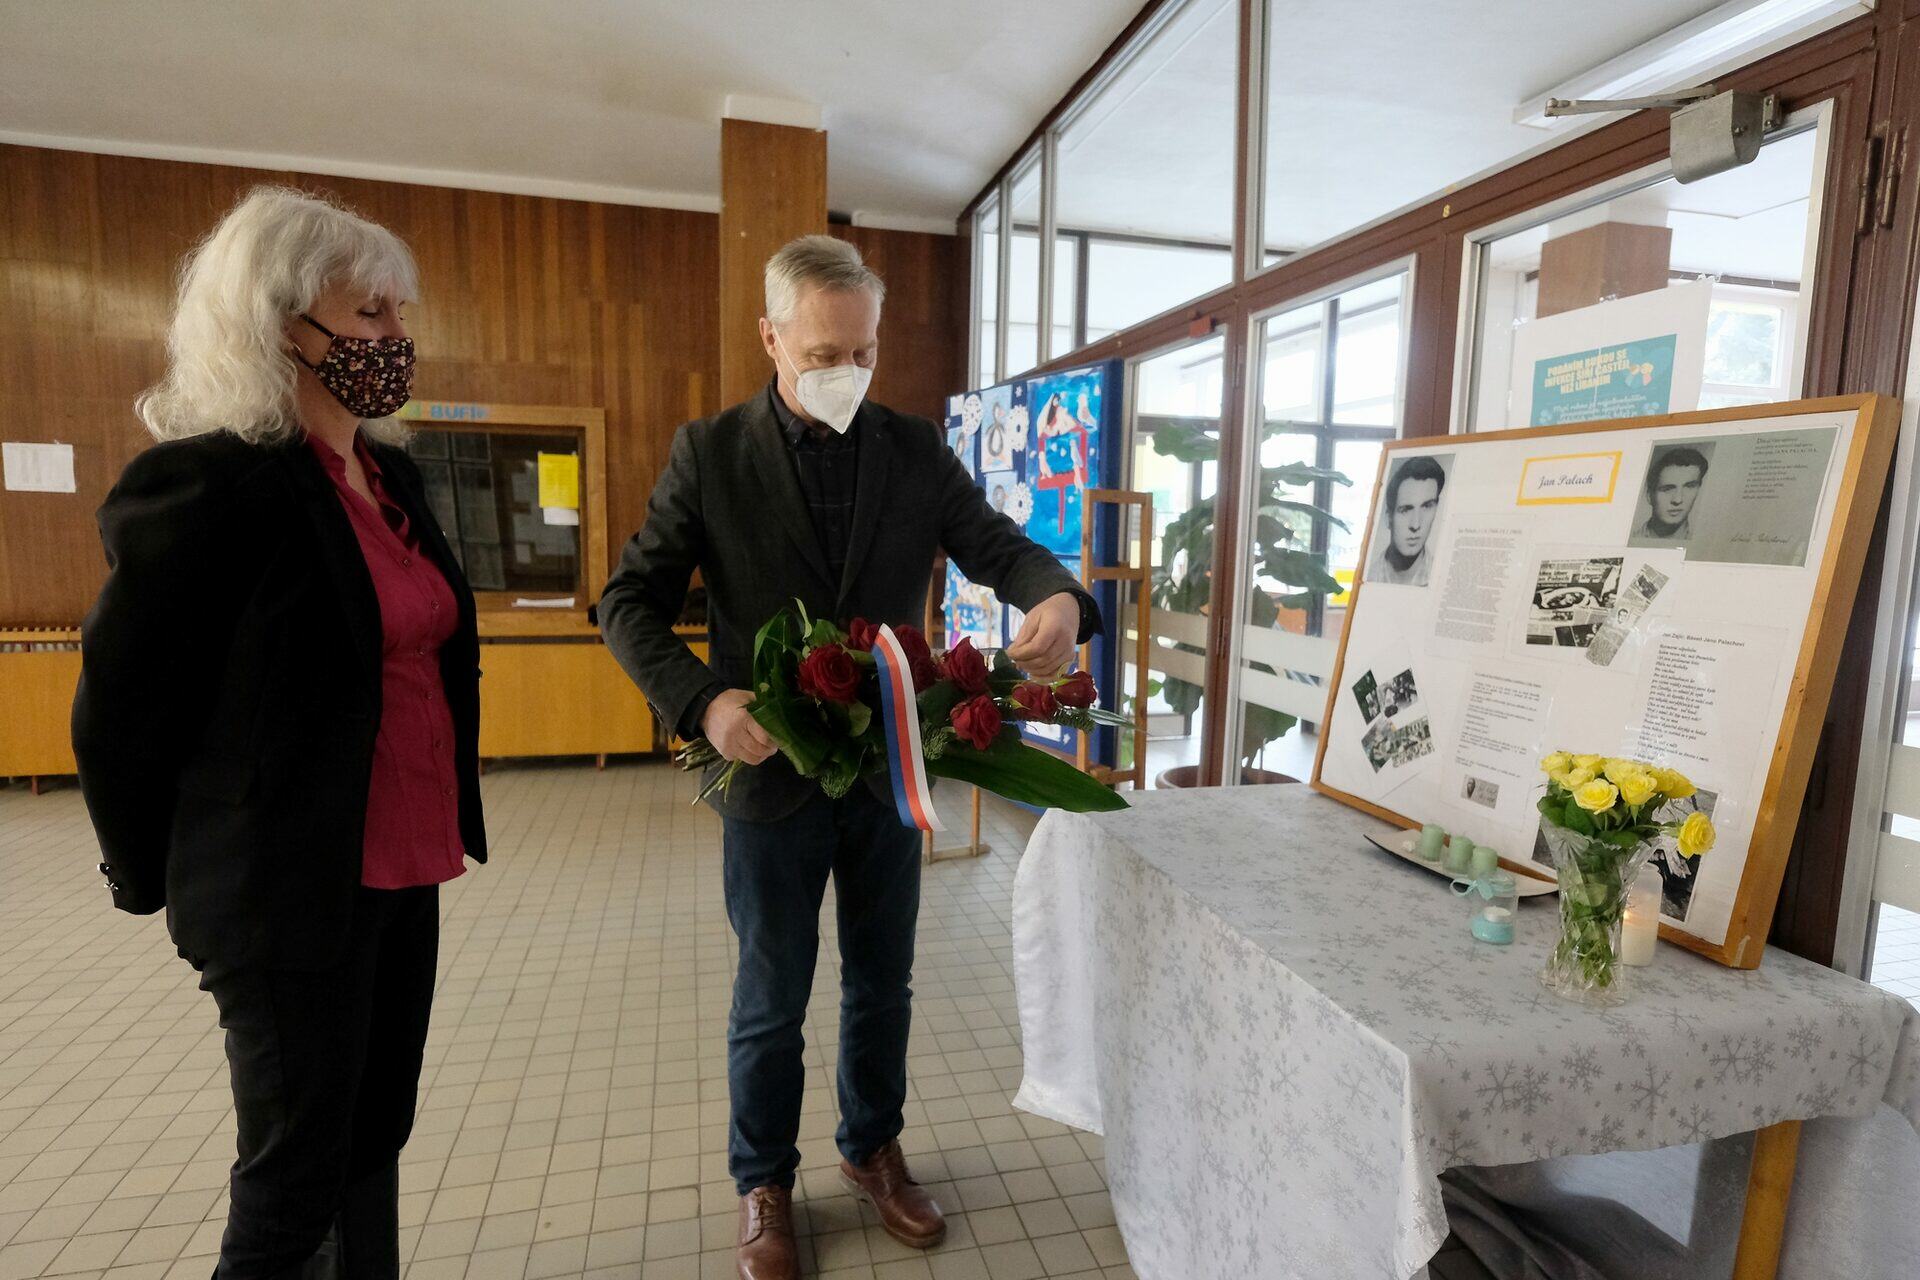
(1285, 1036)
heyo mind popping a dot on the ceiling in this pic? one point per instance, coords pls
(602, 99)
(1363, 117)
(620, 99)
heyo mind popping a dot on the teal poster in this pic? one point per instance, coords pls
(1624, 380)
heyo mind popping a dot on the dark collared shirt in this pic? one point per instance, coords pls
(827, 464)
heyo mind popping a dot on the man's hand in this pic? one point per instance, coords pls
(1048, 637)
(734, 733)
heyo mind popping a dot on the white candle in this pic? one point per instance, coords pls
(1640, 929)
(1638, 932)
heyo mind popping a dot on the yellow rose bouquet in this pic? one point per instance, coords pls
(1599, 823)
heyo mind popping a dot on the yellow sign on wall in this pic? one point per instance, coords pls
(1569, 479)
(560, 480)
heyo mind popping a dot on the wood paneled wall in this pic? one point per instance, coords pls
(923, 327)
(524, 300)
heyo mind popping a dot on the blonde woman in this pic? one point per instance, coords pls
(278, 714)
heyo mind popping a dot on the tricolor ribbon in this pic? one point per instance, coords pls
(900, 726)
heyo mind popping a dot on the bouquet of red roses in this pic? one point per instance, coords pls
(842, 702)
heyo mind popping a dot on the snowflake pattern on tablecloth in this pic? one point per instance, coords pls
(1208, 1004)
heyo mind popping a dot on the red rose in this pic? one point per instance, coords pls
(977, 721)
(912, 641)
(1036, 701)
(920, 660)
(1076, 690)
(966, 668)
(861, 634)
(829, 672)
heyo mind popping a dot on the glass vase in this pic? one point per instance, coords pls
(1595, 879)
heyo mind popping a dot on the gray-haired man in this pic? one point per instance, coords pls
(809, 490)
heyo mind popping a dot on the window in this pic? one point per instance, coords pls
(1750, 231)
(1748, 332)
(1364, 118)
(986, 298)
(1023, 270)
(1144, 176)
(1330, 373)
(1174, 441)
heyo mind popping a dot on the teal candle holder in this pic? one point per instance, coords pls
(1433, 840)
(1494, 904)
(1458, 858)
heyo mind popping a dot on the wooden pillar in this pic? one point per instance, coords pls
(1605, 260)
(773, 187)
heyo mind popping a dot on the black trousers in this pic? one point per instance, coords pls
(326, 1070)
(776, 877)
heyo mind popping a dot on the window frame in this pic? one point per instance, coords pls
(1252, 412)
(1819, 117)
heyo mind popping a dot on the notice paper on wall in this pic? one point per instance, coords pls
(38, 468)
(1633, 357)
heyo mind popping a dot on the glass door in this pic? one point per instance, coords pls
(1329, 372)
(1173, 424)
(1878, 937)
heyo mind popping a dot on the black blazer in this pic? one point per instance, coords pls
(730, 503)
(230, 693)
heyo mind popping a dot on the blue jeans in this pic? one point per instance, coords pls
(776, 878)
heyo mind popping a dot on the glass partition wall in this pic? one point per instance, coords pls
(1329, 374)
(1237, 210)
(1173, 428)
(1753, 232)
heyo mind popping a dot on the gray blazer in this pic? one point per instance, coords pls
(730, 503)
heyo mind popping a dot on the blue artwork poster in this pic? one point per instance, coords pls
(1034, 447)
(1063, 454)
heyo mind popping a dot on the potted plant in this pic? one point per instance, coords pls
(1283, 529)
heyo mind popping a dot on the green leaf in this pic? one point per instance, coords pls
(1576, 819)
(794, 723)
(936, 703)
(859, 717)
(1012, 769)
(1185, 442)
(1273, 506)
(1298, 475)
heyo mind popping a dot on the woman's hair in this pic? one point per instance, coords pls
(228, 368)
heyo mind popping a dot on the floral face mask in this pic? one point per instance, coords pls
(371, 377)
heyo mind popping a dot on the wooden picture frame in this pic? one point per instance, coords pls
(585, 426)
(1869, 454)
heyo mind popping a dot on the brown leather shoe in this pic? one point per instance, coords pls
(766, 1249)
(906, 1210)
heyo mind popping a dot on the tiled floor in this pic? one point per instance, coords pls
(1896, 952)
(573, 1111)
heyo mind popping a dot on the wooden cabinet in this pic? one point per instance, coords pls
(558, 698)
(549, 687)
(39, 671)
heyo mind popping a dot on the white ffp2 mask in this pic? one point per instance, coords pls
(832, 395)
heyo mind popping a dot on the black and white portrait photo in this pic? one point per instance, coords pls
(1740, 497)
(1676, 475)
(1409, 514)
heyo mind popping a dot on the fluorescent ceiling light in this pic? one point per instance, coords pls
(1714, 43)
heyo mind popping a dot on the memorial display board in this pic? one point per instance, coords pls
(1673, 588)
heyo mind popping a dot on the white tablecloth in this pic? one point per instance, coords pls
(1285, 1035)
